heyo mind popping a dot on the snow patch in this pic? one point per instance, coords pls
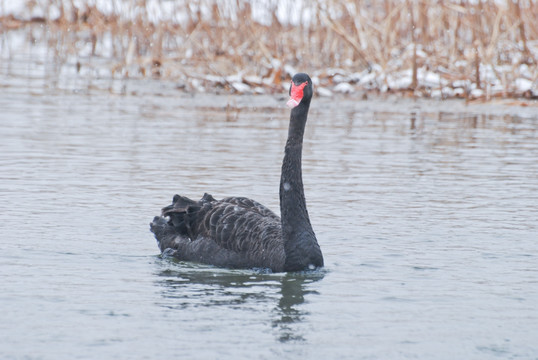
(324, 92)
(523, 85)
(344, 88)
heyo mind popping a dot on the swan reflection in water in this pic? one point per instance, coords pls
(187, 286)
(294, 287)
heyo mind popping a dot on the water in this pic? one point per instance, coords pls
(426, 213)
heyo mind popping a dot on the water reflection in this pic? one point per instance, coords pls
(192, 287)
(294, 288)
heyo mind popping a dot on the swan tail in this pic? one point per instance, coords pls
(177, 219)
(176, 212)
(160, 227)
(164, 233)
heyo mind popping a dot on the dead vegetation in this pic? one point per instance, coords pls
(442, 48)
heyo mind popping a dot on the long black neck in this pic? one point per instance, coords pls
(300, 244)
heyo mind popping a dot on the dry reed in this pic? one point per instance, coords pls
(449, 47)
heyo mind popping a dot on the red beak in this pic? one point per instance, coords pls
(296, 94)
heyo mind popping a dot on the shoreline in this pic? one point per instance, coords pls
(217, 53)
(35, 66)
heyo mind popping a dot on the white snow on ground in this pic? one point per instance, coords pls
(515, 78)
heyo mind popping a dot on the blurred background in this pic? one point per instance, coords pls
(442, 48)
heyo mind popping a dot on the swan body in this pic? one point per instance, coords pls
(237, 232)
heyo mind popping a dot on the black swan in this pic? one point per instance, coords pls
(238, 232)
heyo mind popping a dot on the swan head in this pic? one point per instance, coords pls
(300, 90)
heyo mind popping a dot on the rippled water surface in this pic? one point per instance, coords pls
(427, 217)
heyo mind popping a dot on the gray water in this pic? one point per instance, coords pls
(426, 213)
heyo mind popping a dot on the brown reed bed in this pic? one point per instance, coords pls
(443, 48)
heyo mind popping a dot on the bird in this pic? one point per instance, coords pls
(241, 233)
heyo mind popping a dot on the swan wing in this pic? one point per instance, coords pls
(238, 224)
(251, 205)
